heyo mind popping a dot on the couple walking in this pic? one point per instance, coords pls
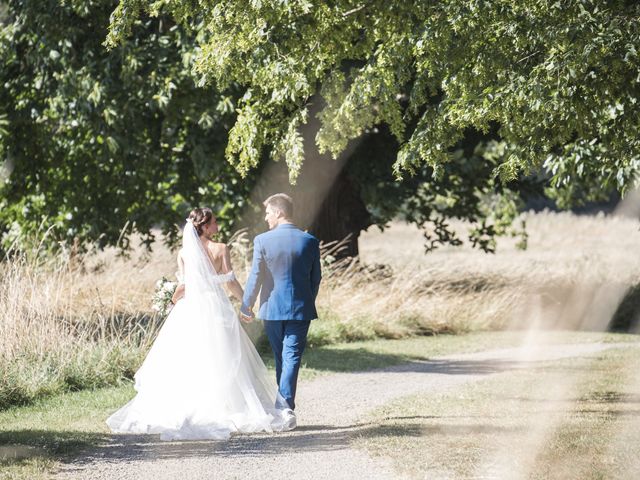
(203, 378)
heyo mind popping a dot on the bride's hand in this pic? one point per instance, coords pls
(178, 294)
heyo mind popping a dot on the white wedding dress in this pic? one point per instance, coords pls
(202, 378)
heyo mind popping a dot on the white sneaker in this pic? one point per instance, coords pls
(290, 421)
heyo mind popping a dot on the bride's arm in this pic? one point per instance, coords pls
(233, 284)
(179, 293)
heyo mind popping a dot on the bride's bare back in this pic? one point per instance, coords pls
(220, 258)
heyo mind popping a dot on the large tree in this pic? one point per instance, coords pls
(94, 140)
(555, 82)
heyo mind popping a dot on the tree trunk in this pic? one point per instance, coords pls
(341, 217)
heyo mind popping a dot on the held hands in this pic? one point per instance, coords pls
(247, 318)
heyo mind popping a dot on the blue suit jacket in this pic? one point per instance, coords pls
(286, 272)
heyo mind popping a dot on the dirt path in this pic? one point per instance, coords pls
(330, 413)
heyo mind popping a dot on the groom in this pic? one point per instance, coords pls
(286, 272)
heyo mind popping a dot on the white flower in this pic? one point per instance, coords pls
(161, 299)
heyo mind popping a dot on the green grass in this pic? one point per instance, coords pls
(34, 438)
(570, 419)
(29, 378)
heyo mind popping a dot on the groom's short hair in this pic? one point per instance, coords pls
(282, 202)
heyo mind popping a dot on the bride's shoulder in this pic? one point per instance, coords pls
(218, 247)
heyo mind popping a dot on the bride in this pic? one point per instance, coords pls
(203, 378)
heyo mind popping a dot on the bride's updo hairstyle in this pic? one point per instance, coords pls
(200, 217)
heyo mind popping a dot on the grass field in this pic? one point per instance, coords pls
(571, 263)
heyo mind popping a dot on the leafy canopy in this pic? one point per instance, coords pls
(560, 80)
(92, 139)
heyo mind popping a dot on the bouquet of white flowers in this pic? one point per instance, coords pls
(162, 296)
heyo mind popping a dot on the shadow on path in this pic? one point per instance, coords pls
(475, 367)
(311, 438)
(150, 447)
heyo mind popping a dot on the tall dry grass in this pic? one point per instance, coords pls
(569, 259)
(70, 323)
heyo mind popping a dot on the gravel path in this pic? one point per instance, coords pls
(330, 413)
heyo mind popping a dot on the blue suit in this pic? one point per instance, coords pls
(286, 272)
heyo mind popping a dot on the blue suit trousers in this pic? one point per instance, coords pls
(288, 339)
